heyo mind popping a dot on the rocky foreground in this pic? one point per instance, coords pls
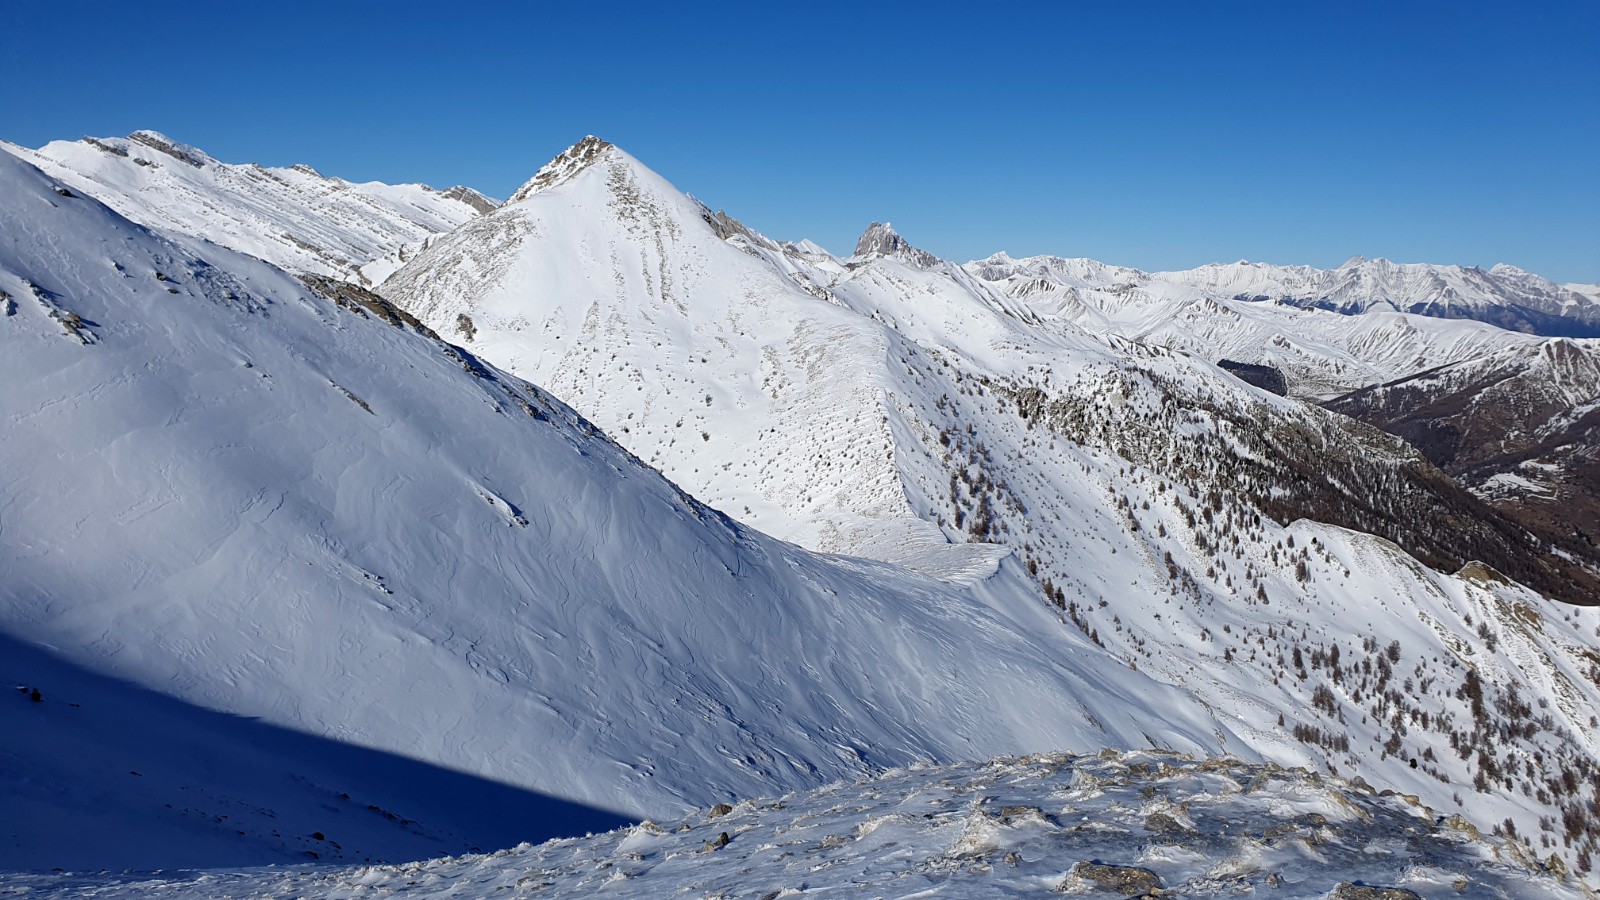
(1113, 825)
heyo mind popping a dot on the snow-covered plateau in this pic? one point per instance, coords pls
(349, 524)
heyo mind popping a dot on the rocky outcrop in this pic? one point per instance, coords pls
(470, 197)
(880, 239)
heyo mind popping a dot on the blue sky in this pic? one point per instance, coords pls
(1160, 135)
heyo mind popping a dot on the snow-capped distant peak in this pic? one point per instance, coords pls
(880, 239)
(570, 162)
(807, 247)
(470, 197)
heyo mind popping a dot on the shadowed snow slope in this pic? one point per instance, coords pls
(1140, 824)
(225, 487)
(294, 217)
(101, 773)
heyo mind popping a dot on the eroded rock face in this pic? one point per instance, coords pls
(163, 144)
(471, 198)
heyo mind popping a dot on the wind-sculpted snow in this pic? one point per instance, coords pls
(1113, 825)
(1203, 531)
(304, 508)
(294, 217)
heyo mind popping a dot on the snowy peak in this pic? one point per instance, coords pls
(1504, 296)
(881, 240)
(1034, 272)
(564, 167)
(1590, 292)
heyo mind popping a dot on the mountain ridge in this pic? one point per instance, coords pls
(293, 217)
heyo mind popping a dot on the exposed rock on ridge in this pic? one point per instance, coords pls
(570, 162)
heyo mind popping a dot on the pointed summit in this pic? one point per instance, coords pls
(570, 162)
(880, 239)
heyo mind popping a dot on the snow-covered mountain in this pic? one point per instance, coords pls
(1114, 825)
(606, 285)
(1520, 427)
(1059, 536)
(1258, 551)
(295, 218)
(1261, 315)
(290, 501)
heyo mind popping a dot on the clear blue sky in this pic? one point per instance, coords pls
(1159, 135)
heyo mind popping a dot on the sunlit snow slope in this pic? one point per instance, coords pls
(603, 283)
(227, 488)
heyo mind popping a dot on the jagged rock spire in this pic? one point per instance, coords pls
(880, 239)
